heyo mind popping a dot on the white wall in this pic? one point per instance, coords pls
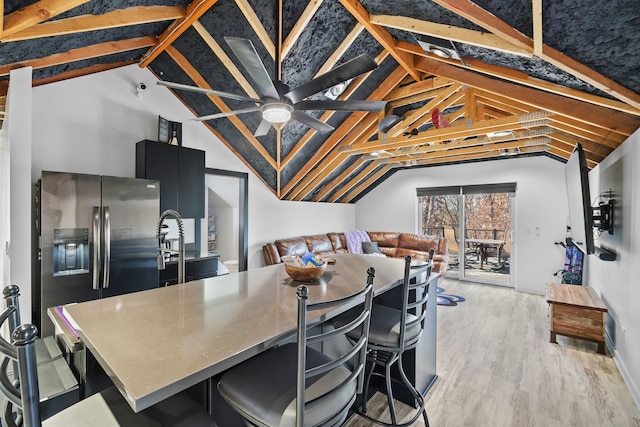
(540, 202)
(19, 120)
(617, 282)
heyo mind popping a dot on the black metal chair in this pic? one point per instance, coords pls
(392, 332)
(107, 408)
(296, 384)
(58, 386)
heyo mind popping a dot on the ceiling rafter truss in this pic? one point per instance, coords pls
(477, 98)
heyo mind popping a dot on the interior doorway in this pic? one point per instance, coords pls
(227, 214)
(477, 222)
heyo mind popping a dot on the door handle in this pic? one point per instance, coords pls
(107, 246)
(96, 257)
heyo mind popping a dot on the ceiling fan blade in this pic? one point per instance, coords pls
(312, 122)
(227, 114)
(208, 91)
(340, 105)
(251, 62)
(263, 128)
(350, 69)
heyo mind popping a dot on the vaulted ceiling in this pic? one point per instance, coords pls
(531, 78)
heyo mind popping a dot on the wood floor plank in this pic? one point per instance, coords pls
(497, 368)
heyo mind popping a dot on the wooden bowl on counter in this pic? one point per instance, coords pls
(305, 274)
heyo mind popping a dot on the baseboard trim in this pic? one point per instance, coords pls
(635, 392)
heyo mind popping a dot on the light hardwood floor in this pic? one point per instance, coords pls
(497, 368)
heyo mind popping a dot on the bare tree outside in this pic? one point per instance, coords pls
(487, 217)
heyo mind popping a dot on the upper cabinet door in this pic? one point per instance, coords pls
(191, 183)
(180, 171)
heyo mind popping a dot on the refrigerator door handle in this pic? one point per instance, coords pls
(107, 246)
(97, 249)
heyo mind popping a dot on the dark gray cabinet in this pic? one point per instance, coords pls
(180, 171)
(195, 269)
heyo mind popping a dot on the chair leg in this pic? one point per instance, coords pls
(388, 359)
(392, 407)
(367, 382)
(416, 394)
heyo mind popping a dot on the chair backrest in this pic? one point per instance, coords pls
(354, 358)
(21, 393)
(11, 295)
(414, 302)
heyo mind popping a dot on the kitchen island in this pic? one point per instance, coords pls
(156, 343)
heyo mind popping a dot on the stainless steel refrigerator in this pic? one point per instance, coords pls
(97, 238)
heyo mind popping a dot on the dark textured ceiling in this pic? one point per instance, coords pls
(552, 75)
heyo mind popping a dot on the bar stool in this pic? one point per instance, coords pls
(58, 386)
(296, 384)
(108, 408)
(392, 332)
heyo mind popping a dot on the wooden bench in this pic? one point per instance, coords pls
(576, 311)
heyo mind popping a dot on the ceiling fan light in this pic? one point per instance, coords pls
(277, 112)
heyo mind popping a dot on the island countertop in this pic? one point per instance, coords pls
(156, 343)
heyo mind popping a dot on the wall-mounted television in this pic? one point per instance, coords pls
(580, 211)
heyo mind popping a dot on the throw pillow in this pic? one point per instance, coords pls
(370, 248)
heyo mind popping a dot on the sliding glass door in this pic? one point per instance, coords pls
(476, 220)
(487, 238)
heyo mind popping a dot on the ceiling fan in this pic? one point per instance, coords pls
(278, 103)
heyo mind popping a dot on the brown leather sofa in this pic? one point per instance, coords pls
(391, 244)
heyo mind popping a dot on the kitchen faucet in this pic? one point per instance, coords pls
(180, 251)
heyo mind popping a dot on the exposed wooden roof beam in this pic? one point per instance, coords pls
(591, 114)
(337, 181)
(348, 186)
(298, 28)
(334, 139)
(340, 50)
(481, 17)
(194, 11)
(355, 84)
(113, 19)
(331, 159)
(36, 13)
(536, 8)
(486, 146)
(516, 76)
(457, 131)
(226, 61)
(411, 119)
(93, 51)
(523, 138)
(355, 192)
(82, 72)
(222, 106)
(417, 88)
(449, 32)
(382, 36)
(485, 19)
(257, 26)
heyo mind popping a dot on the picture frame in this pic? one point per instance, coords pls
(163, 129)
(169, 132)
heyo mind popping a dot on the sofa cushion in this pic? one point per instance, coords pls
(319, 244)
(418, 242)
(370, 248)
(292, 246)
(387, 242)
(338, 241)
(384, 239)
